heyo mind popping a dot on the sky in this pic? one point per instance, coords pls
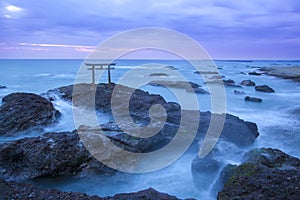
(231, 29)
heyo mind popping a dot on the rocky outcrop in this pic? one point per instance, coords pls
(264, 174)
(52, 154)
(22, 111)
(188, 86)
(291, 72)
(247, 83)
(235, 133)
(139, 102)
(264, 88)
(14, 190)
(253, 99)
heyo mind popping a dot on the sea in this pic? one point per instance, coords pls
(277, 117)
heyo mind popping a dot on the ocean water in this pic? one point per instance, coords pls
(278, 125)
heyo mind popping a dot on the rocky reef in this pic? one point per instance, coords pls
(23, 111)
(264, 174)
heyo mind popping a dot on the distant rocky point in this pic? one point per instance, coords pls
(290, 72)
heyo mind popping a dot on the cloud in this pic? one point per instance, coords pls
(214, 23)
(12, 8)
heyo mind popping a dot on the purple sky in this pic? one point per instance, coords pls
(227, 29)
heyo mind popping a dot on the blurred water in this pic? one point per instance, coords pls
(278, 126)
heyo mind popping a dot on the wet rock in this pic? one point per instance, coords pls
(264, 88)
(239, 92)
(230, 83)
(2, 87)
(14, 190)
(264, 174)
(23, 111)
(254, 73)
(253, 99)
(53, 154)
(188, 86)
(139, 102)
(290, 72)
(149, 194)
(247, 83)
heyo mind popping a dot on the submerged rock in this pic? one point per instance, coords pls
(22, 111)
(264, 174)
(253, 99)
(188, 86)
(247, 83)
(239, 92)
(264, 88)
(14, 190)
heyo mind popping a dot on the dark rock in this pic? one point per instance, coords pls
(265, 174)
(53, 154)
(247, 83)
(171, 67)
(230, 83)
(22, 111)
(158, 74)
(14, 190)
(2, 87)
(149, 194)
(239, 92)
(206, 72)
(254, 73)
(291, 72)
(264, 88)
(253, 99)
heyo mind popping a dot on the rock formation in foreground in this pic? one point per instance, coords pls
(22, 111)
(14, 190)
(264, 174)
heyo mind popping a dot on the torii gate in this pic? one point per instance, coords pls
(102, 67)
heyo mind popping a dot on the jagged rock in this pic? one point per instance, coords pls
(264, 88)
(253, 99)
(264, 174)
(52, 154)
(22, 111)
(247, 83)
(14, 190)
